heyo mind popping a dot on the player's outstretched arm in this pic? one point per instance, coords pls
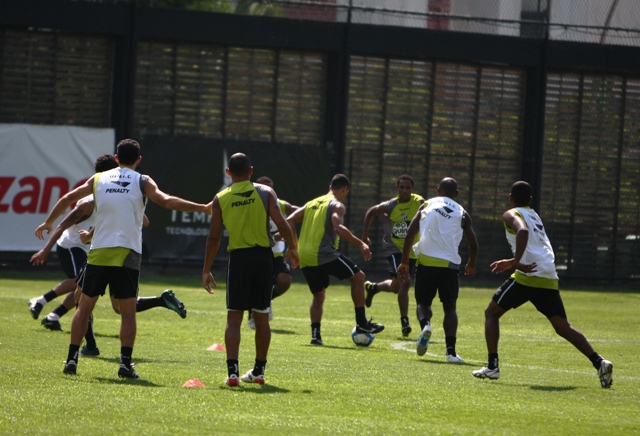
(167, 201)
(470, 236)
(81, 210)
(213, 244)
(284, 228)
(372, 212)
(62, 204)
(412, 231)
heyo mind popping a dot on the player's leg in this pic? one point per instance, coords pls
(549, 302)
(52, 320)
(123, 285)
(318, 281)
(425, 290)
(232, 344)
(389, 285)
(449, 288)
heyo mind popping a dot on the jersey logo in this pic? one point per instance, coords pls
(399, 230)
(123, 184)
(447, 209)
(404, 217)
(246, 194)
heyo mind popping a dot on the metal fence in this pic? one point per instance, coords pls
(485, 109)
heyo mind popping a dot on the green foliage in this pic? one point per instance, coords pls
(547, 387)
(245, 7)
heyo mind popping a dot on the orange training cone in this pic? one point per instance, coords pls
(193, 383)
(217, 347)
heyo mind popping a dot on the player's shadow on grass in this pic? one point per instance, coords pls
(552, 388)
(433, 361)
(260, 389)
(283, 332)
(333, 347)
(128, 381)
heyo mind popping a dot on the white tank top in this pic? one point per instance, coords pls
(119, 208)
(538, 249)
(440, 229)
(70, 237)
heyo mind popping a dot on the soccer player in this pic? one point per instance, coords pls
(398, 213)
(72, 253)
(441, 222)
(116, 248)
(281, 269)
(535, 280)
(322, 223)
(244, 209)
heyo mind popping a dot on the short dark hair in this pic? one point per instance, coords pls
(405, 177)
(105, 162)
(239, 164)
(339, 181)
(128, 151)
(521, 193)
(265, 181)
(448, 187)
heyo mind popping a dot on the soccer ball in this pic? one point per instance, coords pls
(362, 339)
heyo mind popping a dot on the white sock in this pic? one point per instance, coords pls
(53, 317)
(42, 300)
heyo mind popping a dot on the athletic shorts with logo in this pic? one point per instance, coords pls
(250, 279)
(511, 295)
(71, 259)
(318, 276)
(395, 260)
(122, 281)
(431, 280)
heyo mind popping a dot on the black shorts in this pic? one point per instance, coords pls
(122, 281)
(72, 260)
(431, 279)
(250, 279)
(395, 260)
(512, 295)
(318, 276)
(280, 267)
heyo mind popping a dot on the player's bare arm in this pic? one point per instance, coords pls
(470, 236)
(337, 220)
(372, 212)
(412, 231)
(82, 210)
(213, 244)
(515, 222)
(62, 204)
(167, 201)
(284, 228)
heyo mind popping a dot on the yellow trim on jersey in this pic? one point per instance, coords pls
(535, 281)
(425, 260)
(111, 256)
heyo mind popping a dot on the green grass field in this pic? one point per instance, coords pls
(546, 386)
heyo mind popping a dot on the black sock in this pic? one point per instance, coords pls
(73, 353)
(374, 288)
(451, 345)
(404, 320)
(596, 359)
(493, 361)
(424, 322)
(50, 295)
(361, 316)
(258, 368)
(315, 330)
(146, 303)
(232, 367)
(89, 336)
(125, 356)
(60, 310)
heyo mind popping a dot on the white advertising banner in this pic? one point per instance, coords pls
(38, 165)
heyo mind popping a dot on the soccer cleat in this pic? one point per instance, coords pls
(250, 378)
(35, 307)
(70, 367)
(173, 303)
(485, 372)
(370, 327)
(454, 359)
(125, 372)
(406, 328)
(86, 351)
(316, 341)
(370, 291)
(606, 373)
(232, 380)
(51, 325)
(423, 340)
(250, 322)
